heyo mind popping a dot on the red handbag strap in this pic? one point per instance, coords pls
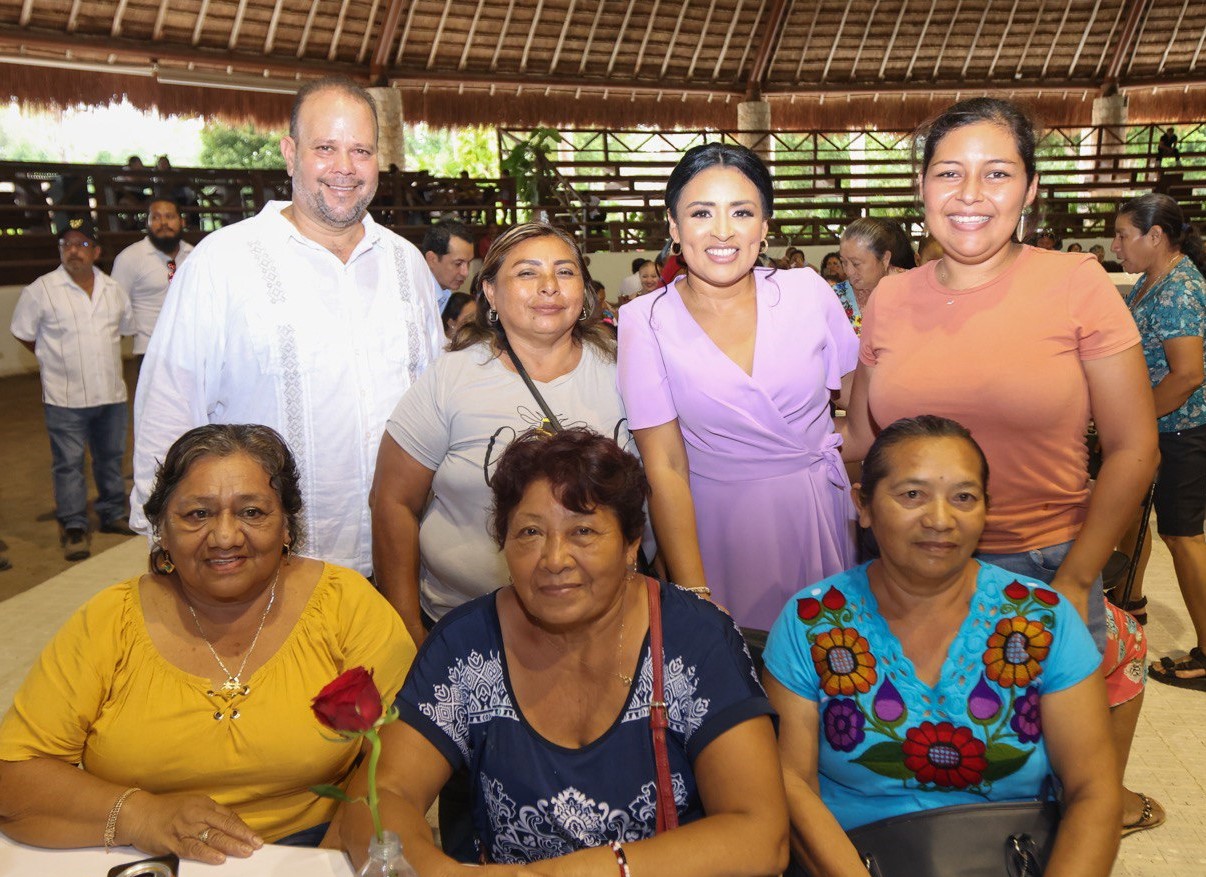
(667, 810)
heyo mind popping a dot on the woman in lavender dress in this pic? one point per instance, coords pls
(727, 377)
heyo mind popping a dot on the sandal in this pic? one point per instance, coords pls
(1137, 609)
(1166, 671)
(1152, 816)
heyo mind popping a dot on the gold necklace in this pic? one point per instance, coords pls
(233, 686)
(622, 676)
(1150, 283)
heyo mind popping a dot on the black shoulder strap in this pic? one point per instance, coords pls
(549, 416)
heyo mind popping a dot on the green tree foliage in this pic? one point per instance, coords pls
(240, 146)
(445, 152)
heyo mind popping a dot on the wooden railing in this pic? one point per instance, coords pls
(608, 188)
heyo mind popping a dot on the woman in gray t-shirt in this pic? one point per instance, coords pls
(430, 498)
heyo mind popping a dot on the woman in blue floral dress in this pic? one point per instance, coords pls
(926, 678)
(1169, 306)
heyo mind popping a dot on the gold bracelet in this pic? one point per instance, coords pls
(111, 822)
(701, 590)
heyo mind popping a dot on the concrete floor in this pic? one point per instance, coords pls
(27, 521)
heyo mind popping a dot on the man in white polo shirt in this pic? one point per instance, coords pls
(72, 320)
(144, 269)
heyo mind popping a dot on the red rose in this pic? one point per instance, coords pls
(1045, 596)
(833, 599)
(1016, 591)
(350, 703)
(807, 608)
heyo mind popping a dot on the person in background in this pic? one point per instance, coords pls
(1098, 252)
(309, 318)
(631, 285)
(145, 269)
(929, 251)
(918, 680)
(1168, 301)
(650, 280)
(447, 249)
(1167, 147)
(728, 375)
(871, 248)
(980, 324)
(1074, 248)
(72, 320)
(831, 268)
(795, 258)
(172, 712)
(460, 310)
(556, 668)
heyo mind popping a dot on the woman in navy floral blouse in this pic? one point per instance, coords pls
(926, 678)
(542, 691)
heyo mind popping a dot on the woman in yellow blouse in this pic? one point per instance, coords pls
(185, 693)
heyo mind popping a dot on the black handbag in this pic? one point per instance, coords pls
(1005, 839)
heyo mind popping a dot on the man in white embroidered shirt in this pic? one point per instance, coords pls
(309, 318)
(145, 269)
(72, 320)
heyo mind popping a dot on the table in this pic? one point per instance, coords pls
(19, 860)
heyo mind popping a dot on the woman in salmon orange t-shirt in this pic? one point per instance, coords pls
(1023, 347)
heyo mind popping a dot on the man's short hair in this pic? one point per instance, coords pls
(438, 236)
(331, 83)
(163, 200)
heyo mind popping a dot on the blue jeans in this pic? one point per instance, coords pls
(1042, 564)
(102, 428)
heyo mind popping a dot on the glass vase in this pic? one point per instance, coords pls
(385, 858)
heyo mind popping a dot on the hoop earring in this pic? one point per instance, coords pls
(763, 247)
(676, 248)
(585, 314)
(491, 316)
(286, 550)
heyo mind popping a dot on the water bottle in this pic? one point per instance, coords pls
(385, 858)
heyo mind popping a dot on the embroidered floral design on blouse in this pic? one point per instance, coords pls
(567, 821)
(685, 712)
(844, 661)
(935, 755)
(1018, 644)
(475, 693)
(944, 755)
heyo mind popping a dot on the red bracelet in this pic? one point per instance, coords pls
(621, 859)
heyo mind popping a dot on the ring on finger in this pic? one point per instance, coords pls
(204, 835)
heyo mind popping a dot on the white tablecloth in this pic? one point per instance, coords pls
(18, 860)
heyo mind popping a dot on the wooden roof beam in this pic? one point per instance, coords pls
(678, 26)
(1143, 22)
(1013, 11)
(502, 34)
(368, 31)
(946, 39)
(565, 25)
(1134, 13)
(160, 19)
(333, 49)
(381, 53)
(971, 50)
(837, 38)
(640, 59)
(73, 17)
(699, 44)
(304, 42)
(925, 28)
(812, 23)
(858, 54)
(728, 38)
(199, 24)
(435, 43)
(615, 50)
(883, 66)
(1176, 32)
(1109, 40)
(745, 52)
(590, 37)
(1055, 42)
(121, 12)
(238, 24)
(26, 12)
(1080, 47)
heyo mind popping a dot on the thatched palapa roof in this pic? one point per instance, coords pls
(614, 63)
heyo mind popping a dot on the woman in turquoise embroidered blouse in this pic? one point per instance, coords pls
(1169, 305)
(926, 679)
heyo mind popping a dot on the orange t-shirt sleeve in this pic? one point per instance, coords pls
(1102, 319)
